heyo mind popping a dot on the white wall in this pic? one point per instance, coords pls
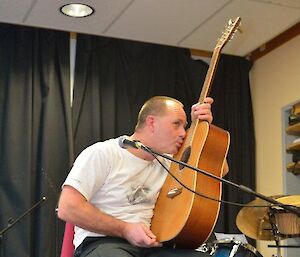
(275, 83)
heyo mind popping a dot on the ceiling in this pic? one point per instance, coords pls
(193, 24)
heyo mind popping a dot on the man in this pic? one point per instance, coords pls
(110, 192)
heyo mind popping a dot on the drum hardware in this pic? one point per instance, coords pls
(285, 246)
(233, 248)
(270, 222)
(204, 248)
(282, 230)
(286, 224)
(275, 231)
(255, 221)
(212, 248)
(261, 223)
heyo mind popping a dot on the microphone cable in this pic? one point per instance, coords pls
(200, 194)
(123, 142)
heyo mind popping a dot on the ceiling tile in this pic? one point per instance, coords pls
(163, 21)
(260, 23)
(47, 14)
(14, 11)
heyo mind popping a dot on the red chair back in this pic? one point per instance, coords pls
(67, 249)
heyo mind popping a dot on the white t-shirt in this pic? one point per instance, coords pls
(116, 182)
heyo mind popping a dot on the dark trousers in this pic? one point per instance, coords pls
(118, 247)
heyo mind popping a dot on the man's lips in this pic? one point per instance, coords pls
(179, 144)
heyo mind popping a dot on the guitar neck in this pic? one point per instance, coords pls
(226, 36)
(210, 75)
(206, 86)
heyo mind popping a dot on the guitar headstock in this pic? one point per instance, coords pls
(230, 29)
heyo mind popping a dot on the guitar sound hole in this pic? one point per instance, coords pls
(185, 156)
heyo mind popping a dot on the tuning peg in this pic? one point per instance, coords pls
(239, 30)
(230, 22)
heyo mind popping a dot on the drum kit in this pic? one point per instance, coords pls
(261, 221)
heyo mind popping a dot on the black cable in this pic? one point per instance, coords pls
(136, 144)
(202, 195)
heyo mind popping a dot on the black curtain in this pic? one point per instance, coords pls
(232, 111)
(35, 137)
(114, 77)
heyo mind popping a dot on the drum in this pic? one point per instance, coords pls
(230, 248)
(288, 224)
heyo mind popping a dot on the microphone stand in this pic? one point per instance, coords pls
(289, 208)
(12, 222)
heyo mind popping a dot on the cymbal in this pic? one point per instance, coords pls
(290, 200)
(254, 221)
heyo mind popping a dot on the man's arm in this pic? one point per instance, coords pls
(75, 209)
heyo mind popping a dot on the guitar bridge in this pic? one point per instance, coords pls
(174, 192)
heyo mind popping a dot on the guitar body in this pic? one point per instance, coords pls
(187, 220)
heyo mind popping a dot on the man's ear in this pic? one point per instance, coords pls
(150, 120)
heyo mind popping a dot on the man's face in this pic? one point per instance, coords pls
(169, 129)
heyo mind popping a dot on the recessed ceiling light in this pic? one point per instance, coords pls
(77, 10)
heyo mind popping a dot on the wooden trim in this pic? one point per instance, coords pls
(274, 43)
(201, 53)
(73, 35)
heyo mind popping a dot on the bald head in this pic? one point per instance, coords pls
(156, 106)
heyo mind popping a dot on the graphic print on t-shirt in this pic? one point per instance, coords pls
(137, 193)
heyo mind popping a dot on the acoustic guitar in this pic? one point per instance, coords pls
(180, 217)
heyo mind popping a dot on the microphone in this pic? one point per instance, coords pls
(126, 143)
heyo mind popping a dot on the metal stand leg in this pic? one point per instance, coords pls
(12, 222)
(275, 231)
(1, 247)
(234, 250)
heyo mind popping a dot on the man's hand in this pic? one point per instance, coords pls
(140, 235)
(202, 111)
